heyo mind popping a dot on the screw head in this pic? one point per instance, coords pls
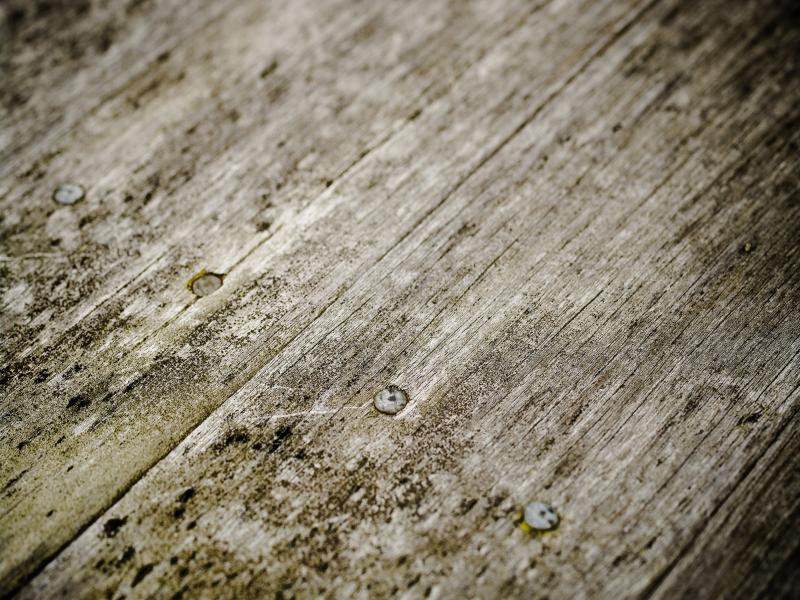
(204, 284)
(540, 516)
(68, 194)
(390, 400)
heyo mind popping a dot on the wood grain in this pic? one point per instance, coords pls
(568, 229)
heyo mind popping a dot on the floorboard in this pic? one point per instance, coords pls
(567, 229)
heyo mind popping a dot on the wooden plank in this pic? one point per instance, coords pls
(567, 230)
(155, 306)
(62, 60)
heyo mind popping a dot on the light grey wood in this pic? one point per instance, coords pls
(567, 229)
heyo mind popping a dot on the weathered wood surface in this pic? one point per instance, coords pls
(569, 229)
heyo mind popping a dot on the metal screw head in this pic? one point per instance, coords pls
(68, 193)
(390, 400)
(540, 516)
(204, 283)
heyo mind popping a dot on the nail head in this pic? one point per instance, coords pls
(390, 400)
(540, 517)
(204, 283)
(68, 194)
